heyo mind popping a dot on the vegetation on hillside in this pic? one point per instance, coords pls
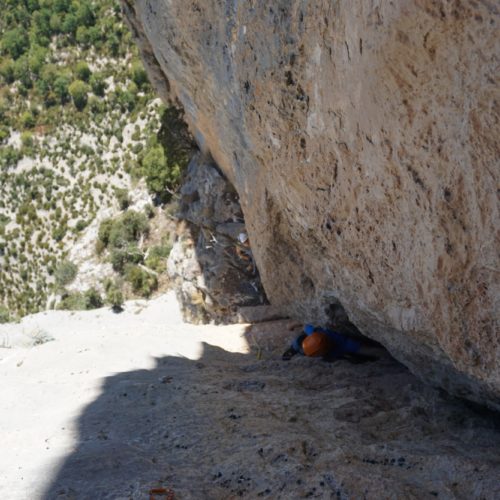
(78, 125)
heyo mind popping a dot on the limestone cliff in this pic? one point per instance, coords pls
(362, 138)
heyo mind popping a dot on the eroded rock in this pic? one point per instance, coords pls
(213, 272)
(362, 139)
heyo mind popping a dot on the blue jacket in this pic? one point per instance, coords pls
(342, 344)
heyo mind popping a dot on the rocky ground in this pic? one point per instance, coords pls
(109, 406)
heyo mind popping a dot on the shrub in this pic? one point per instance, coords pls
(65, 273)
(149, 211)
(15, 42)
(78, 91)
(122, 197)
(72, 301)
(61, 87)
(77, 301)
(128, 228)
(4, 314)
(138, 74)
(98, 84)
(156, 259)
(104, 231)
(27, 120)
(82, 71)
(142, 282)
(80, 225)
(93, 299)
(166, 159)
(59, 232)
(7, 70)
(120, 257)
(114, 296)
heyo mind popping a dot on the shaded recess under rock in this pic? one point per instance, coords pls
(362, 138)
(212, 270)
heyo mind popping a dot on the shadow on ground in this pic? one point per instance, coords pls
(249, 425)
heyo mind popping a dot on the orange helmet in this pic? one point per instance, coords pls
(317, 344)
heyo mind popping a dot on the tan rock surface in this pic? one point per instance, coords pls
(115, 405)
(362, 138)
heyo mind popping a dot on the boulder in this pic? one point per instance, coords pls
(362, 138)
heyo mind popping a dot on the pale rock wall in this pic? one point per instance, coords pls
(362, 137)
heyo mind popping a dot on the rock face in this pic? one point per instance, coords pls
(212, 271)
(362, 138)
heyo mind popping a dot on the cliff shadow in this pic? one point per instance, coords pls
(232, 425)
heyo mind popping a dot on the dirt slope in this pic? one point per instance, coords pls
(118, 404)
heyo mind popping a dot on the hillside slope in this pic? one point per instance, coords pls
(77, 117)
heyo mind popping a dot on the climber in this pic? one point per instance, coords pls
(329, 345)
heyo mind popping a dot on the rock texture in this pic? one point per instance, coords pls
(118, 404)
(212, 271)
(362, 138)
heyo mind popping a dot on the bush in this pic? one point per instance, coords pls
(82, 71)
(61, 87)
(98, 84)
(80, 225)
(7, 69)
(122, 197)
(149, 211)
(157, 257)
(4, 314)
(65, 273)
(103, 234)
(59, 232)
(114, 296)
(142, 282)
(138, 74)
(78, 91)
(15, 42)
(74, 301)
(93, 299)
(166, 159)
(128, 228)
(77, 301)
(120, 257)
(27, 120)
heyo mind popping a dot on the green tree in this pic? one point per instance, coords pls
(155, 170)
(69, 25)
(61, 87)
(61, 5)
(138, 73)
(4, 314)
(7, 70)
(78, 91)
(55, 23)
(27, 120)
(22, 71)
(98, 84)
(15, 42)
(82, 71)
(36, 58)
(82, 36)
(142, 282)
(84, 14)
